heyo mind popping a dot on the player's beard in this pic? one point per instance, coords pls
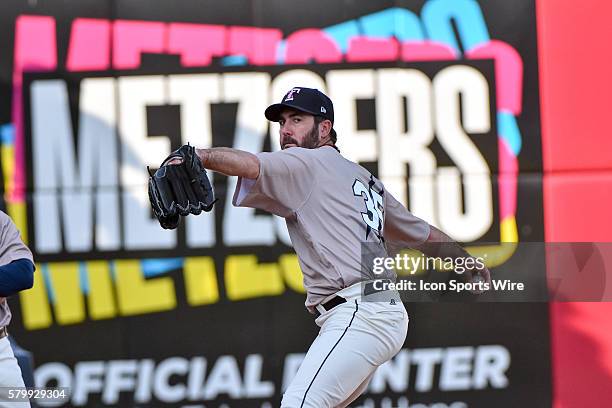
(311, 139)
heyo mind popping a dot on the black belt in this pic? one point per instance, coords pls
(330, 304)
(338, 300)
(3, 332)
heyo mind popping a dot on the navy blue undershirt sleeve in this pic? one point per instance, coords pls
(16, 276)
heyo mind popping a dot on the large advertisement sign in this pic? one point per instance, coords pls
(438, 99)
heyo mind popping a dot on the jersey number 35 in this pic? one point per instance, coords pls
(374, 217)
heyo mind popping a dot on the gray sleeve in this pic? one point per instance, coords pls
(11, 245)
(402, 228)
(283, 186)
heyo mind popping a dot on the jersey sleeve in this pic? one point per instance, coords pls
(285, 182)
(402, 228)
(11, 245)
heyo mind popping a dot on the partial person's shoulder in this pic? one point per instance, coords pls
(6, 222)
(323, 153)
(289, 156)
(304, 152)
(4, 218)
(300, 154)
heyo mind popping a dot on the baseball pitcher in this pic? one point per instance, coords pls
(332, 207)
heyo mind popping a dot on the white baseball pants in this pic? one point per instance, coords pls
(355, 338)
(10, 374)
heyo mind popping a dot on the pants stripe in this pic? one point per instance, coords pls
(328, 354)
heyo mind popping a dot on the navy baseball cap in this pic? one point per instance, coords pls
(307, 100)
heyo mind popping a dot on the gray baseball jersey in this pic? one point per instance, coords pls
(11, 249)
(332, 206)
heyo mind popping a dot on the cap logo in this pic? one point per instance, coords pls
(289, 96)
(323, 110)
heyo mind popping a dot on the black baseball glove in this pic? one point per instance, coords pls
(180, 189)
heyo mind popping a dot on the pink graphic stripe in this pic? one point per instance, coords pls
(508, 173)
(197, 44)
(427, 51)
(258, 45)
(35, 51)
(365, 49)
(508, 73)
(311, 45)
(89, 48)
(132, 38)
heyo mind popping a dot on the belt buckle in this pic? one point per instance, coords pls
(317, 311)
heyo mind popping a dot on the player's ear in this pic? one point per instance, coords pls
(325, 128)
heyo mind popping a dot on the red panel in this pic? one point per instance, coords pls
(577, 206)
(575, 80)
(582, 354)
